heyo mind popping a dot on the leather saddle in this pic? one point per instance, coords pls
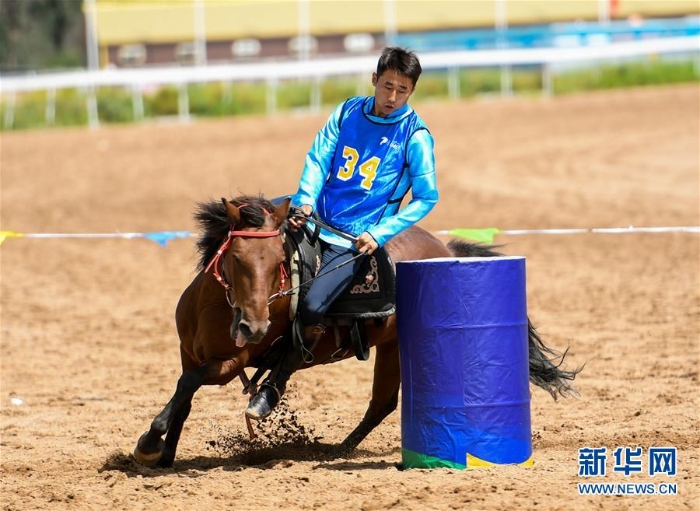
(371, 295)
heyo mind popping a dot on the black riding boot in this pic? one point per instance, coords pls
(272, 389)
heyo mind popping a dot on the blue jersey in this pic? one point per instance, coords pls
(361, 166)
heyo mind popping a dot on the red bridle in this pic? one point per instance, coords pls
(216, 261)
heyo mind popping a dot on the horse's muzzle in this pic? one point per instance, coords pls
(247, 332)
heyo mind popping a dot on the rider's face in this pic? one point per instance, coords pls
(391, 92)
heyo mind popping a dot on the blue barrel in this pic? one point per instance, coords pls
(463, 339)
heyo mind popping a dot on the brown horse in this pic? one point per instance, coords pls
(228, 318)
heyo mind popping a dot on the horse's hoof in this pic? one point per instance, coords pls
(261, 404)
(148, 459)
(341, 451)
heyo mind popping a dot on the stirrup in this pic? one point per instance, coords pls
(261, 404)
(307, 338)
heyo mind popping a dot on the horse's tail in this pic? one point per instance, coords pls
(545, 366)
(545, 363)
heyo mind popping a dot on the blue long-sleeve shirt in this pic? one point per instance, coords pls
(361, 166)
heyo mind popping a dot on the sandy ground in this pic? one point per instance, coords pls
(89, 346)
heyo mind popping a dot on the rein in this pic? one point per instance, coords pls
(317, 221)
(332, 229)
(291, 290)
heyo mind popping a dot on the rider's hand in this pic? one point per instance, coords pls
(366, 244)
(296, 222)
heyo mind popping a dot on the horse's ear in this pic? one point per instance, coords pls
(232, 212)
(280, 214)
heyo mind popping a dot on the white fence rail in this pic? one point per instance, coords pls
(318, 69)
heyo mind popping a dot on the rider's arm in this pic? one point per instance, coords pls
(318, 161)
(424, 193)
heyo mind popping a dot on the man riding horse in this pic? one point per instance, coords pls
(365, 159)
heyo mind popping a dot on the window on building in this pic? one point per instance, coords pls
(186, 53)
(132, 55)
(303, 44)
(246, 48)
(358, 43)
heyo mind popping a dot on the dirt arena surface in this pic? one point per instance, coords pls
(89, 353)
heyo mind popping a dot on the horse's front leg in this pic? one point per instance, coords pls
(385, 395)
(151, 450)
(173, 436)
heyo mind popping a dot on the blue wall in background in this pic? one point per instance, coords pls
(555, 35)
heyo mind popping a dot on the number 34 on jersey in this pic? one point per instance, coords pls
(367, 169)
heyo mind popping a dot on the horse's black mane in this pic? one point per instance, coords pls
(214, 224)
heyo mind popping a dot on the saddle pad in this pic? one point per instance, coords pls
(372, 292)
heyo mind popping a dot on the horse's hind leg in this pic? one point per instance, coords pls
(150, 449)
(385, 395)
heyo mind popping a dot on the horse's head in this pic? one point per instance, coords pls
(253, 264)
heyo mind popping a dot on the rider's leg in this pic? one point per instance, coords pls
(324, 289)
(273, 388)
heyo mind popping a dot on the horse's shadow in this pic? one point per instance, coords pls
(326, 456)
